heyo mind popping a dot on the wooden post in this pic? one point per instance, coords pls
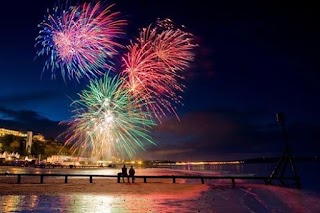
(41, 178)
(174, 179)
(90, 178)
(19, 178)
(202, 180)
(145, 179)
(66, 179)
(119, 177)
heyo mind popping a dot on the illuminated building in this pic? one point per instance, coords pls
(4, 132)
(38, 137)
(29, 135)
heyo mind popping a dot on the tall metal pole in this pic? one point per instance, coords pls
(286, 157)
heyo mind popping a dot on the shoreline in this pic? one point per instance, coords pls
(56, 185)
(104, 194)
(217, 196)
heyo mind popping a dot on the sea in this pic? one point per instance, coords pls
(309, 173)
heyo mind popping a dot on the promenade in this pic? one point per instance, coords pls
(160, 195)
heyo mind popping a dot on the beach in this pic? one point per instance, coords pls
(106, 195)
(157, 195)
(103, 195)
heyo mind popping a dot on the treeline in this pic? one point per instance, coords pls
(11, 143)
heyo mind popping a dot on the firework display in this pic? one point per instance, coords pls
(79, 40)
(113, 117)
(155, 63)
(107, 121)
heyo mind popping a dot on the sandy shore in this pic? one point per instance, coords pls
(103, 195)
(53, 185)
(106, 195)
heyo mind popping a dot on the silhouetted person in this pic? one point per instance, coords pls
(124, 173)
(131, 173)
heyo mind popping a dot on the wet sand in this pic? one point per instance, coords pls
(103, 195)
(54, 185)
(106, 195)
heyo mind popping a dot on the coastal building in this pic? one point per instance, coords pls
(66, 160)
(9, 156)
(4, 132)
(29, 136)
(38, 137)
(58, 159)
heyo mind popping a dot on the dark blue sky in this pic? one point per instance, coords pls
(254, 59)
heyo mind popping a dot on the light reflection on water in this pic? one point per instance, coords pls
(80, 202)
(32, 170)
(127, 203)
(235, 169)
(50, 203)
(85, 203)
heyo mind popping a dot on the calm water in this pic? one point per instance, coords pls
(308, 171)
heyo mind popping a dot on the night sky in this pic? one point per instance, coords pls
(253, 60)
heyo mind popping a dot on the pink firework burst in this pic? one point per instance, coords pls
(81, 40)
(154, 64)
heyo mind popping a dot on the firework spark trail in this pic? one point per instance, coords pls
(140, 69)
(107, 121)
(173, 48)
(155, 63)
(80, 40)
